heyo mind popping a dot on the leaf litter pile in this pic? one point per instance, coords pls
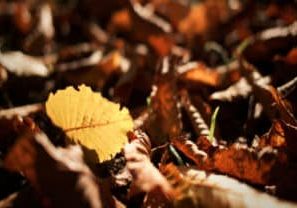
(148, 103)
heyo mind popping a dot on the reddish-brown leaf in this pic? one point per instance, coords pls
(164, 121)
(58, 174)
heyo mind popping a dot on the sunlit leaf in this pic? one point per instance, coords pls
(87, 118)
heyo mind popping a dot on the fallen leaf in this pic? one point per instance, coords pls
(47, 168)
(198, 73)
(198, 188)
(165, 120)
(190, 149)
(87, 118)
(21, 64)
(146, 177)
(274, 105)
(275, 137)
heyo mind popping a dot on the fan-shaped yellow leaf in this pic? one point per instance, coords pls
(87, 118)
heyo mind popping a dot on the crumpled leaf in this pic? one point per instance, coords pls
(197, 188)
(237, 160)
(21, 64)
(268, 96)
(146, 177)
(87, 118)
(164, 122)
(190, 149)
(47, 168)
(245, 163)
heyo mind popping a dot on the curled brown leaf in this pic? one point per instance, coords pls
(58, 174)
(146, 177)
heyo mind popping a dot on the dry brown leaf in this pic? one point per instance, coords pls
(190, 149)
(275, 137)
(164, 121)
(246, 164)
(196, 73)
(237, 160)
(146, 177)
(58, 174)
(274, 105)
(197, 188)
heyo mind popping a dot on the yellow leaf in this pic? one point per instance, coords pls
(90, 120)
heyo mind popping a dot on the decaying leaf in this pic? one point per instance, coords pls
(87, 118)
(21, 64)
(164, 122)
(237, 160)
(146, 177)
(190, 149)
(267, 95)
(198, 188)
(47, 168)
(245, 163)
(274, 138)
